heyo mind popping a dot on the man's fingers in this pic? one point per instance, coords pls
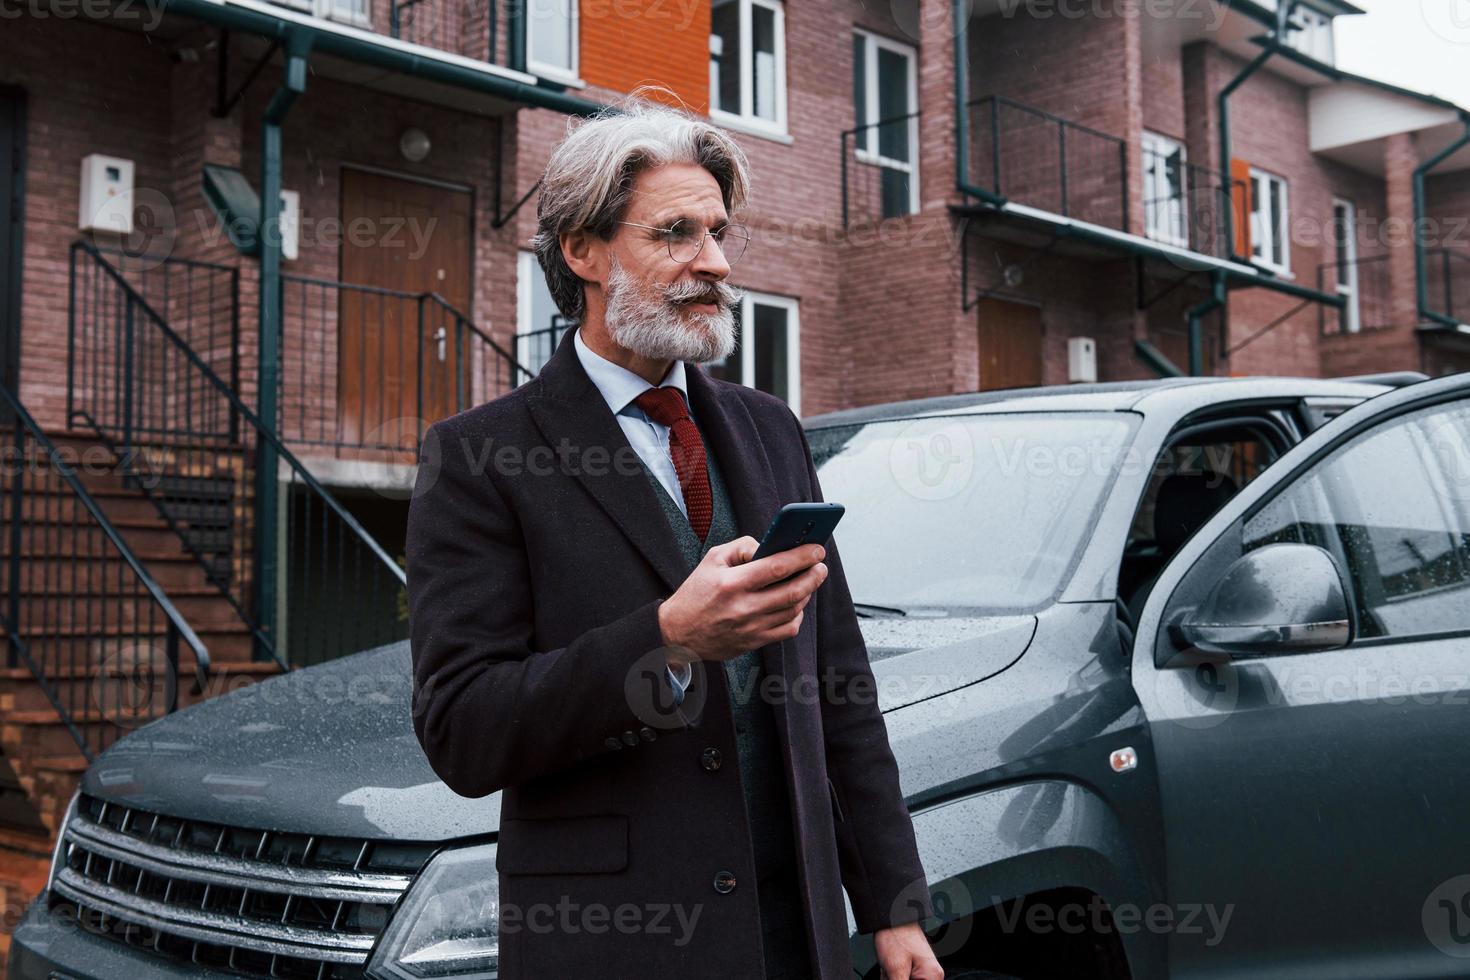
(773, 568)
(787, 593)
(735, 552)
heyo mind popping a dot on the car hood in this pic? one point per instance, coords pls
(331, 749)
(917, 658)
(328, 749)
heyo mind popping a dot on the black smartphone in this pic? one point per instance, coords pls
(799, 524)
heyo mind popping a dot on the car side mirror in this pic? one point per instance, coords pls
(1283, 598)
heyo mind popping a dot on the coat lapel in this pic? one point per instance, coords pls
(569, 410)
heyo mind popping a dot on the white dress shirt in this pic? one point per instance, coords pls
(649, 439)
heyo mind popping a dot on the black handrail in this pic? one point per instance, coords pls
(369, 367)
(1048, 162)
(224, 463)
(1449, 281)
(79, 590)
(1370, 275)
(893, 186)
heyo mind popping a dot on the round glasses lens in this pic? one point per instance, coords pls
(685, 240)
(733, 239)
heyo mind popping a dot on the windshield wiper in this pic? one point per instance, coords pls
(869, 611)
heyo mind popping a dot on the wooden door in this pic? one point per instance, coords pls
(399, 352)
(1010, 344)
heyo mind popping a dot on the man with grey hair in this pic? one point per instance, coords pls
(693, 760)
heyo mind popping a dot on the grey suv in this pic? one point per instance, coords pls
(1175, 673)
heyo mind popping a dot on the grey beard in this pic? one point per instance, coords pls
(655, 329)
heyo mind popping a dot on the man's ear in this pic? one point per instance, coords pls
(585, 255)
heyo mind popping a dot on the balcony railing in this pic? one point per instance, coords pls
(880, 170)
(1185, 204)
(1036, 158)
(370, 369)
(1364, 284)
(1449, 282)
(534, 347)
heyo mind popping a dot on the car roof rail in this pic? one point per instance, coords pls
(1394, 379)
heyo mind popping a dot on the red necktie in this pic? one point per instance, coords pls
(666, 406)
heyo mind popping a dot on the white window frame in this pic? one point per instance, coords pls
(324, 10)
(864, 140)
(527, 268)
(746, 348)
(746, 117)
(1262, 231)
(1157, 146)
(568, 76)
(1315, 36)
(1350, 290)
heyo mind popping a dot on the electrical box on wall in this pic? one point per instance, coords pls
(1081, 360)
(290, 224)
(107, 194)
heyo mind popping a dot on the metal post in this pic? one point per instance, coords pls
(267, 557)
(17, 521)
(1062, 165)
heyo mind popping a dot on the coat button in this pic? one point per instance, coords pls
(612, 743)
(725, 882)
(629, 738)
(648, 734)
(710, 759)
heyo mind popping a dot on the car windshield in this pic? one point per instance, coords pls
(977, 513)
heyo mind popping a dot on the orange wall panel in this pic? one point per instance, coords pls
(626, 43)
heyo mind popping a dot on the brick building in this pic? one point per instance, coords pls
(942, 201)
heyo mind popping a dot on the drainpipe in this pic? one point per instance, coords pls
(1421, 262)
(267, 555)
(961, 114)
(1215, 301)
(1284, 10)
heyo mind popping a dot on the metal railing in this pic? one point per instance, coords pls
(880, 169)
(80, 609)
(1039, 159)
(1185, 204)
(1365, 284)
(368, 368)
(535, 347)
(1449, 282)
(314, 585)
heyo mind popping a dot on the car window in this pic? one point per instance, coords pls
(1393, 506)
(1191, 480)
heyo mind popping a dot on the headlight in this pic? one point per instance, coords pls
(445, 925)
(58, 853)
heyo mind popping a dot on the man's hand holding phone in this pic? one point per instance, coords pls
(731, 603)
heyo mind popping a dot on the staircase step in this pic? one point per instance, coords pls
(45, 615)
(224, 646)
(173, 571)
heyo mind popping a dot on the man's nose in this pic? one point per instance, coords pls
(710, 262)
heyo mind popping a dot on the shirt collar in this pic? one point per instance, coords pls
(618, 385)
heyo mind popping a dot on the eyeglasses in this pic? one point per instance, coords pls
(685, 239)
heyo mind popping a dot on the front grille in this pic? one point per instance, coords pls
(253, 902)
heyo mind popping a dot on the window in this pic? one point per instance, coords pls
(886, 103)
(747, 64)
(1164, 190)
(1311, 34)
(1269, 217)
(539, 325)
(1345, 229)
(551, 39)
(768, 355)
(357, 12)
(1393, 506)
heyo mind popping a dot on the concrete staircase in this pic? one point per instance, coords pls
(112, 675)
